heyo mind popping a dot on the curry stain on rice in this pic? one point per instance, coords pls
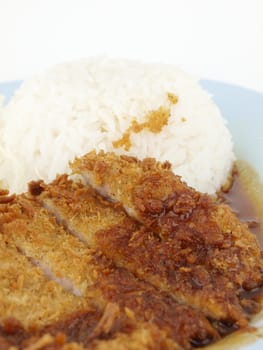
(155, 121)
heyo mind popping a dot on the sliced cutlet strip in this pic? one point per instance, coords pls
(143, 338)
(150, 192)
(164, 263)
(60, 255)
(84, 331)
(140, 300)
(82, 205)
(27, 225)
(129, 332)
(133, 307)
(141, 303)
(27, 295)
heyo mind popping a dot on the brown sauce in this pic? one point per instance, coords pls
(245, 197)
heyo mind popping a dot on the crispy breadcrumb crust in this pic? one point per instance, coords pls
(70, 262)
(29, 227)
(23, 285)
(129, 245)
(202, 234)
(161, 201)
(143, 338)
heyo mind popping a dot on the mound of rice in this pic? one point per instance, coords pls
(84, 105)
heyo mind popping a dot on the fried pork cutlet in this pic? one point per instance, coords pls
(106, 227)
(145, 337)
(195, 262)
(188, 231)
(150, 192)
(116, 303)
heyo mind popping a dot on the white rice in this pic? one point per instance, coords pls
(79, 106)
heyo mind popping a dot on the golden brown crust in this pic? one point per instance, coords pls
(29, 227)
(162, 202)
(188, 247)
(144, 336)
(130, 245)
(23, 285)
(79, 205)
(190, 226)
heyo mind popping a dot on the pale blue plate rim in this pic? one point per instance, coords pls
(220, 90)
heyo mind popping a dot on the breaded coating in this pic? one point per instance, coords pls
(116, 300)
(136, 335)
(180, 322)
(161, 262)
(154, 265)
(141, 336)
(78, 207)
(63, 257)
(23, 286)
(83, 213)
(198, 230)
(144, 337)
(150, 192)
(134, 306)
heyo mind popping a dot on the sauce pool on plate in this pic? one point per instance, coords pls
(245, 197)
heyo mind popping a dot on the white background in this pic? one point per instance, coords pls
(218, 39)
